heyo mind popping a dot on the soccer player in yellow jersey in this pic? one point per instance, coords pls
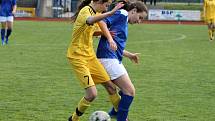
(81, 54)
(209, 16)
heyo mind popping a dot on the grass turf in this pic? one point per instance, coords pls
(174, 81)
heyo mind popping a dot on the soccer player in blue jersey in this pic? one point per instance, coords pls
(112, 60)
(7, 11)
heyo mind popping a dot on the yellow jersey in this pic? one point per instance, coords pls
(209, 9)
(81, 45)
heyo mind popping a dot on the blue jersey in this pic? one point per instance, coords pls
(6, 7)
(119, 24)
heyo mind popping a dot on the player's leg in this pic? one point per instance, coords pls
(151, 2)
(83, 74)
(3, 28)
(9, 28)
(128, 92)
(113, 94)
(154, 2)
(119, 76)
(213, 29)
(210, 33)
(100, 76)
(210, 30)
(84, 103)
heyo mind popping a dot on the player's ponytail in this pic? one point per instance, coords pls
(82, 4)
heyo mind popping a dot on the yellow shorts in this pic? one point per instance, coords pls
(210, 21)
(89, 72)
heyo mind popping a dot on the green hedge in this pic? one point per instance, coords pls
(182, 7)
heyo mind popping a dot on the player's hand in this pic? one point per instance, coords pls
(13, 12)
(134, 57)
(113, 45)
(117, 7)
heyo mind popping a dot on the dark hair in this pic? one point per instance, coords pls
(83, 4)
(140, 6)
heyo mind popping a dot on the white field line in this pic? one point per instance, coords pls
(180, 37)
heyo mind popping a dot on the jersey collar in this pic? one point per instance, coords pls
(92, 9)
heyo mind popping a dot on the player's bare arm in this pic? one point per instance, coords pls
(134, 57)
(107, 34)
(97, 18)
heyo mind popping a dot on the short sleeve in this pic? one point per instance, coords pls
(110, 20)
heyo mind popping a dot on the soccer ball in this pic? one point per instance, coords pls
(100, 116)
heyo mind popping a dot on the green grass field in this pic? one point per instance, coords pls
(175, 80)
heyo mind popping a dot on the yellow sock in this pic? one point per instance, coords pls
(210, 32)
(115, 98)
(75, 117)
(82, 106)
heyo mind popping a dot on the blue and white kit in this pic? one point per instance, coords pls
(112, 60)
(6, 8)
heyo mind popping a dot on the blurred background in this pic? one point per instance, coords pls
(66, 8)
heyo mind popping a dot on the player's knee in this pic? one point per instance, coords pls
(3, 24)
(133, 92)
(213, 26)
(91, 96)
(130, 91)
